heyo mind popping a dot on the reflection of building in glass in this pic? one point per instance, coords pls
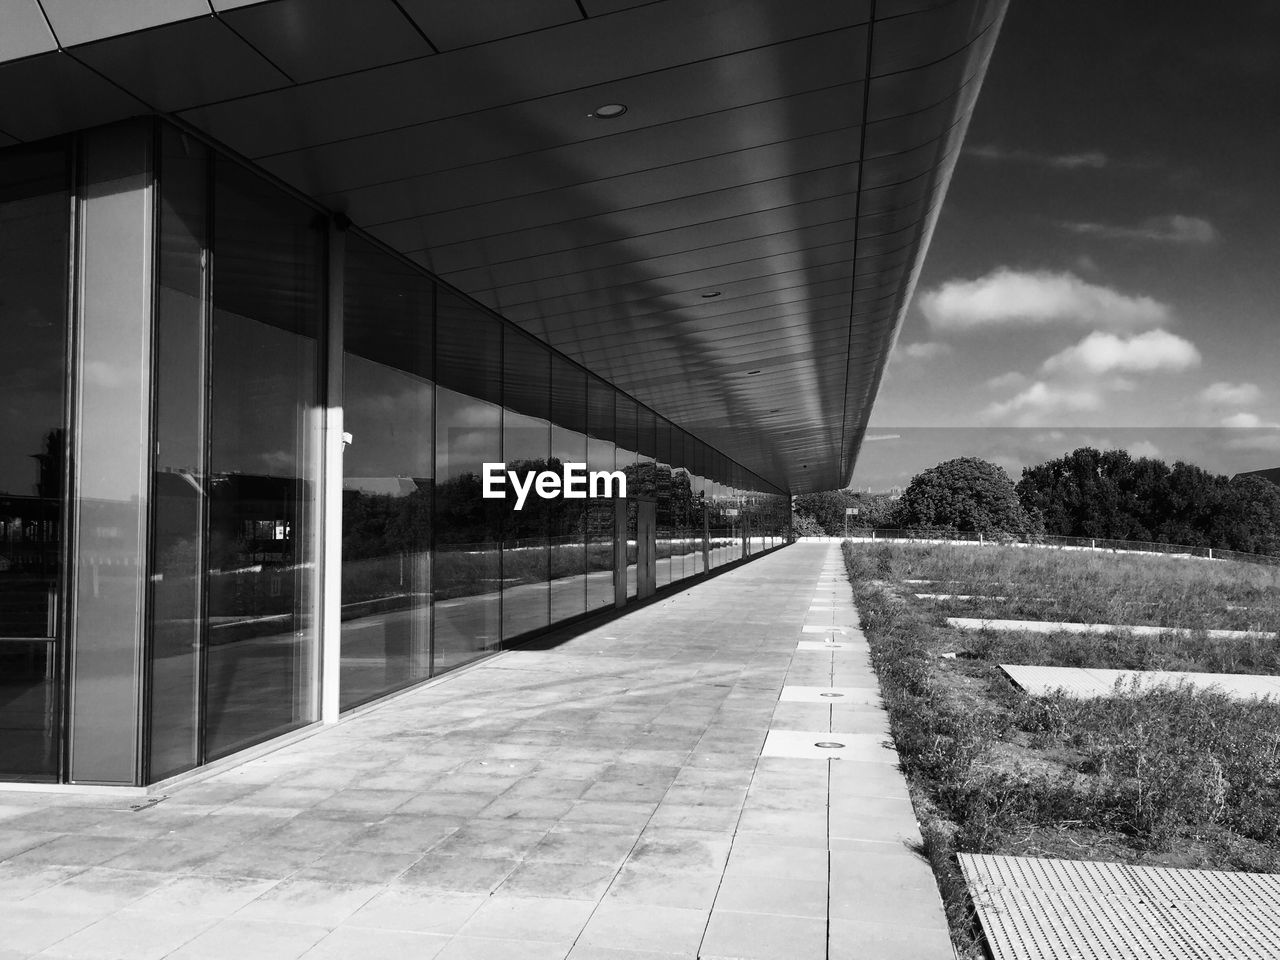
(240, 469)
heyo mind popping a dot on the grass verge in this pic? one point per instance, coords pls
(1170, 777)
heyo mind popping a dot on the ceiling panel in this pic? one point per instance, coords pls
(780, 123)
(78, 21)
(312, 39)
(584, 54)
(25, 32)
(52, 93)
(559, 120)
(200, 61)
(453, 25)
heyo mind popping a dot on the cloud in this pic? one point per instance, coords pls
(1256, 442)
(1089, 159)
(929, 350)
(1007, 297)
(1174, 228)
(1006, 380)
(1043, 401)
(1101, 353)
(1231, 394)
(1247, 421)
(1143, 448)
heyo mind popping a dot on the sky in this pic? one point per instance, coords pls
(1106, 267)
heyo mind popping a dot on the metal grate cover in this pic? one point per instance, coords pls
(1079, 682)
(1039, 909)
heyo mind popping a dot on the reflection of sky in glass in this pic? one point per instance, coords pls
(567, 446)
(388, 414)
(468, 434)
(32, 319)
(524, 438)
(263, 379)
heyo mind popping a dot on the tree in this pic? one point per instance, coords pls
(1108, 494)
(826, 510)
(965, 495)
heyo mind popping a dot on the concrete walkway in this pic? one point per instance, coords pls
(650, 789)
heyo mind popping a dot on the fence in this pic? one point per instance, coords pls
(926, 535)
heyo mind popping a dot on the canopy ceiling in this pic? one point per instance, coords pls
(737, 249)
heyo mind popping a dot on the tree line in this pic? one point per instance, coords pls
(1106, 494)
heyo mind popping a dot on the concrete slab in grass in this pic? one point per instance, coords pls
(819, 645)
(803, 745)
(1059, 626)
(831, 696)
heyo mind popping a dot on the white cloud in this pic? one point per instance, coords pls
(1247, 421)
(1101, 353)
(1256, 443)
(1231, 394)
(1007, 297)
(1089, 159)
(929, 350)
(1042, 402)
(1173, 228)
(1006, 380)
(1143, 448)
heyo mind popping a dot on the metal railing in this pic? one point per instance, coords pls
(1101, 544)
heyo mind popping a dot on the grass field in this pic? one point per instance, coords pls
(1170, 777)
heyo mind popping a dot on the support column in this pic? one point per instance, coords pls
(331, 494)
(112, 444)
(706, 540)
(620, 552)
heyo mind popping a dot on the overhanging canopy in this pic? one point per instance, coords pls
(736, 249)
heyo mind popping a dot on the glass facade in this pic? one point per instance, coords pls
(388, 471)
(249, 298)
(34, 251)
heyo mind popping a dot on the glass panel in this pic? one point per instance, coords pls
(526, 449)
(693, 455)
(387, 475)
(178, 482)
(467, 569)
(626, 456)
(568, 518)
(268, 300)
(34, 239)
(669, 561)
(601, 455)
(112, 452)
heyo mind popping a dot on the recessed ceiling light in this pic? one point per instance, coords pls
(608, 111)
(752, 373)
(713, 293)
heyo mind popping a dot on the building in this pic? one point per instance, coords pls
(673, 239)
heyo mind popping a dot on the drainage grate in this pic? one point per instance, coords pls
(1038, 909)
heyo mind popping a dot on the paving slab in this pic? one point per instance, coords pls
(641, 790)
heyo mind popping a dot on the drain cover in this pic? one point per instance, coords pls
(829, 745)
(832, 695)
